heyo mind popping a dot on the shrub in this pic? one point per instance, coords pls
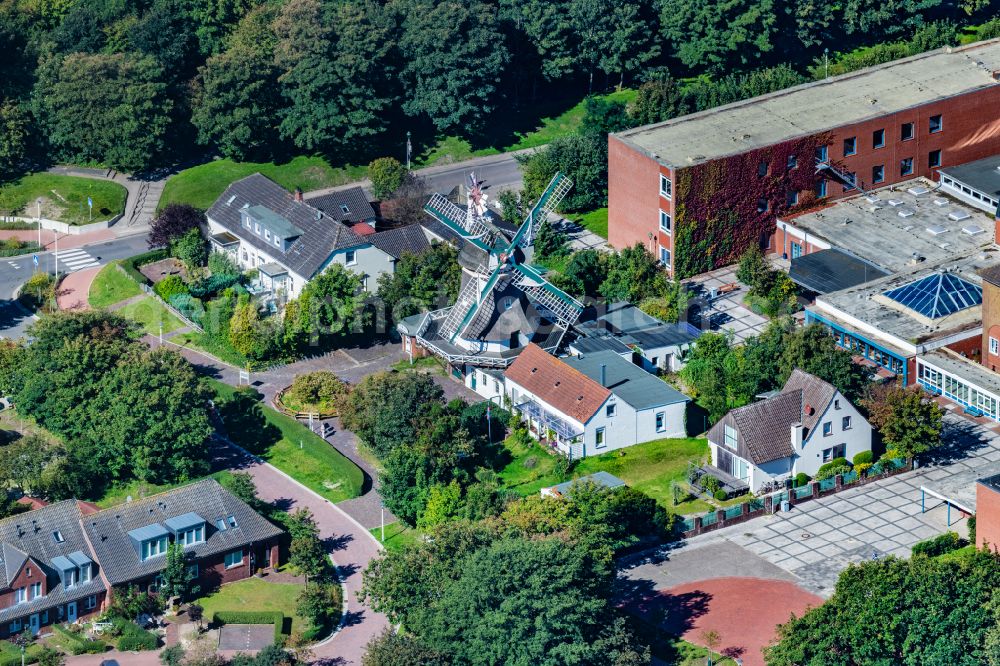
(801, 479)
(939, 545)
(213, 284)
(222, 263)
(188, 306)
(132, 264)
(531, 462)
(971, 524)
(863, 457)
(321, 389)
(386, 175)
(170, 286)
(836, 462)
(39, 289)
(721, 495)
(78, 643)
(862, 468)
(831, 471)
(136, 639)
(710, 483)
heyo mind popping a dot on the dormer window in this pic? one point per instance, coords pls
(192, 536)
(344, 209)
(188, 528)
(154, 548)
(150, 541)
(57, 536)
(256, 228)
(277, 242)
(267, 234)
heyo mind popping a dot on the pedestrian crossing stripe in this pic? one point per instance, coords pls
(77, 259)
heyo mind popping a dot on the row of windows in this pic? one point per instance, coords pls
(906, 132)
(958, 390)
(266, 234)
(968, 191)
(89, 603)
(845, 424)
(878, 175)
(600, 440)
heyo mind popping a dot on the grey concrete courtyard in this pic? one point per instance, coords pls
(814, 541)
(725, 312)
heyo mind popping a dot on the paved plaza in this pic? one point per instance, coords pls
(725, 312)
(816, 540)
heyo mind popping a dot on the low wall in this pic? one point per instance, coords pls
(71, 229)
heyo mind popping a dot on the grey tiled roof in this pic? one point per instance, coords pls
(108, 529)
(627, 381)
(764, 427)
(358, 206)
(31, 534)
(309, 252)
(395, 242)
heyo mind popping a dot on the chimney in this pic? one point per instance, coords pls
(604, 375)
(797, 432)
(298, 194)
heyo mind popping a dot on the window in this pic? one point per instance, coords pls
(85, 573)
(267, 234)
(836, 404)
(906, 166)
(852, 181)
(828, 428)
(220, 525)
(793, 162)
(934, 159)
(763, 168)
(232, 521)
(599, 438)
(821, 153)
(15, 626)
(730, 437)
(850, 146)
(878, 138)
(934, 124)
(71, 577)
(611, 409)
(36, 590)
(664, 256)
(344, 209)
(57, 536)
(351, 257)
(821, 188)
(91, 602)
(665, 221)
(192, 536)
(20, 595)
(994, 346)
(906, 131)
(878, 173)
(234, 559)
(27, 572)
(154, 547)
(845, 423)
(661, 421)
(277, 242)
(666, 187)
(256, 228)
(791, 198)
(246, 222)
(762, 205)
(193, 571)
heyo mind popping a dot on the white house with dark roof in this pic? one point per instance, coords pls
(808, 423)
(266, 228)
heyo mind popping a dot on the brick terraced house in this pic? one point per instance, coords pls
(700, 189)
(60, 562)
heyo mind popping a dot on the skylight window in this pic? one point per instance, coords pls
(937, 295)
(58, 537)
(232, 519)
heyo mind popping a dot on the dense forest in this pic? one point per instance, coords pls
(133, 84)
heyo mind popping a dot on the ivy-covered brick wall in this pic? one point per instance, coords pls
(718, 209)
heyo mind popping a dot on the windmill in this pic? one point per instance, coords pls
(504, 302)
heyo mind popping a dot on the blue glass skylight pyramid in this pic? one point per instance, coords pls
(937, 295)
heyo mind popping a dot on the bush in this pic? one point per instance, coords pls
(836, 462)
(136, 639)
(862, 468)
(971, 524)
(801, 479)
(213, 284)
(321, 389)
(531, 462)
(13, 247)
(39, 290)
(79, 644)
(831, 471)
(170, 286)
(132, 264)
(386, 175)
(710, 483)
(939, 545)
(721, 495)
(863, 457)
(188, 306)
(252, 617)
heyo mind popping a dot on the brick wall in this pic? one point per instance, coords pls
(30, 573)
(987, 517)
(57, 614)
(970, 131)
(991, 324)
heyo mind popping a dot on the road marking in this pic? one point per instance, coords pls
(77, 259)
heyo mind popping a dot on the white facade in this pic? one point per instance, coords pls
(615, 425)
(840, 432)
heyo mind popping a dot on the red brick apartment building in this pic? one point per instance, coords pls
(59, 563)
(698, 190)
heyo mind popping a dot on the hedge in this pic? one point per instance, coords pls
(18, 226)
(81, 645)
(136, 639)
(939, 545)
(131, 265)
(27, 248)
(213, 285)
(863, 457)
(253, 617)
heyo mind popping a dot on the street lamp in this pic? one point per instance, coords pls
(409, 150)
(826, 63)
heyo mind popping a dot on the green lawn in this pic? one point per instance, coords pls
(10, 653)
(111, 286)
(119, 494)
(207, 343)
(200, 186)
(595, 221)
(64, 198)
(288, 445)
(649, 467)
(255, 594)
(397, 536)
(150, 313)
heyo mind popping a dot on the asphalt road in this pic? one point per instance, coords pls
(15, 271)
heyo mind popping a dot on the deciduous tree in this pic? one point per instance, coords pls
(172, 223)
(908, 422)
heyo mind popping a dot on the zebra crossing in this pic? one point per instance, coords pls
(77, 259)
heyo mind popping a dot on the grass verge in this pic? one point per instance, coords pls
(255, 594)
(64, 198)
(287, 444)
(119, 494)
(111, 286)
(397, 536)
(595, 221)
(150, 314)
(208, 344)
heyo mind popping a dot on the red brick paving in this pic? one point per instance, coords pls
(75, 288)
(744, 611)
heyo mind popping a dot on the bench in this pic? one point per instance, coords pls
(727, 288)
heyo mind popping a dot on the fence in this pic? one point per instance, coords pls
(149, 290)
(758, 506)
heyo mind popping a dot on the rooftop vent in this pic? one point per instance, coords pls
(917, 191)
(905, 212)
(959, 215)
(229, 202)
(973, 230)
(872, 198)
(940, 202)
(895, 202)
(936, 230)
(908, 227)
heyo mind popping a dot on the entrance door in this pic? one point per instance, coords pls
(71, 612)
(35, 624)
(796, 250)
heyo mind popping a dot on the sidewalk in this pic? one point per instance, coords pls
(75, 289)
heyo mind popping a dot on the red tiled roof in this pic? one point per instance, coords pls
(557, 384)
(87, 508)
(32, 502)
(363, 229)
